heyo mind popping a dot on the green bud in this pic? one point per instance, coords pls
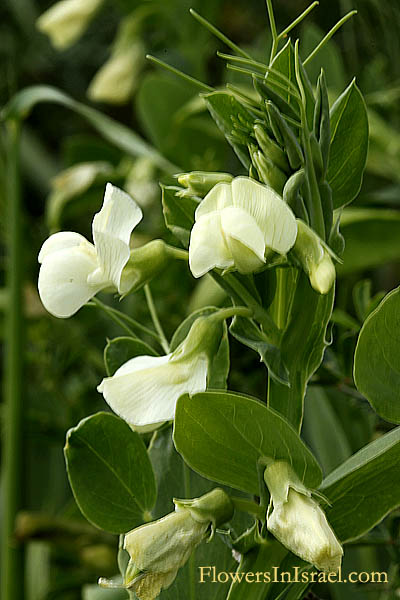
(269, 172)
(199, 183)
(292, 146)
(271, 149)
(204, 337)
(297, 520)
(315, 258)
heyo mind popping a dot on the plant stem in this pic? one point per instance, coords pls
(235, 311)
(12, 571)
(272, 24)
(156, 320)
(120, 317)
(329, 35)
(249, 507)
(180, 74)
(218, 34)
(297, 21)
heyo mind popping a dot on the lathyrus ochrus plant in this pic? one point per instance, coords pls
(270, 237)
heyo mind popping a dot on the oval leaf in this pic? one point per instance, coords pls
(110, 473)
(349, 145)
(377, 358)
(365, 488)
(221, 435)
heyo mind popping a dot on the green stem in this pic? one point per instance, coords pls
(177, 253)
(234, 311)
(218, 34)
(180, 74)
(119, 317)
(272, 24)
(329, 35)
(315, 206)
(155, 319)
(297, 21)
(259, 313)
(12, 571)
(249, 507)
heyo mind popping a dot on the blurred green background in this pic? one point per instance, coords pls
(62, 360)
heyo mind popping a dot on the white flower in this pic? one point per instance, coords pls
(66, 21)
(145, 389)
(73, 270)
(158, 550)
(237, 225)
(114, 82)
(297, 520)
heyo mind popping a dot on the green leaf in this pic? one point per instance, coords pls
(121, 349)
(376, 360)
(349, 146)
(372, 238)
(221, 435)
(95, 592)
(249, 334)
(227, 111)
(364, 489)
(178, 213)
(219, 368)
(323, 430)
(284, 63)
(110, 473)
(127, 140)
(302, 347)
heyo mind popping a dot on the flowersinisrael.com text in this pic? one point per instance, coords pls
(296, 575)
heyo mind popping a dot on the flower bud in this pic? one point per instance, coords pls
(158, 550)
(268, 171)
(315, 258)
(270, 149)
(66, 21)
(115, 81)
(297, 520)
(199, 183)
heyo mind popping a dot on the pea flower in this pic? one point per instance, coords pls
(238, 225)
(315, 258)
(158, 550)
(64, 22)
(297, 520)
(145, 389)
(73, 270)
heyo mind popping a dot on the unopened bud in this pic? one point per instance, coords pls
(199, 183)
(271, 149)
(297, 520)
(314, 257)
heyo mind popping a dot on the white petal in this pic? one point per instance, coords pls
(63, 286)
(61, 241)
(208, 248)
(112, 228)
(301, 525)
(146, 388)
(244, 239)
(217, 198)
(64, 22)
(273, 216)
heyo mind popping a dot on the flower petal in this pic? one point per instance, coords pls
(244, 239)
(63, 278)
(61, 241)
(112, 228)
(272, 214)
(146, 388)
(217, 198)
(208, 248)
